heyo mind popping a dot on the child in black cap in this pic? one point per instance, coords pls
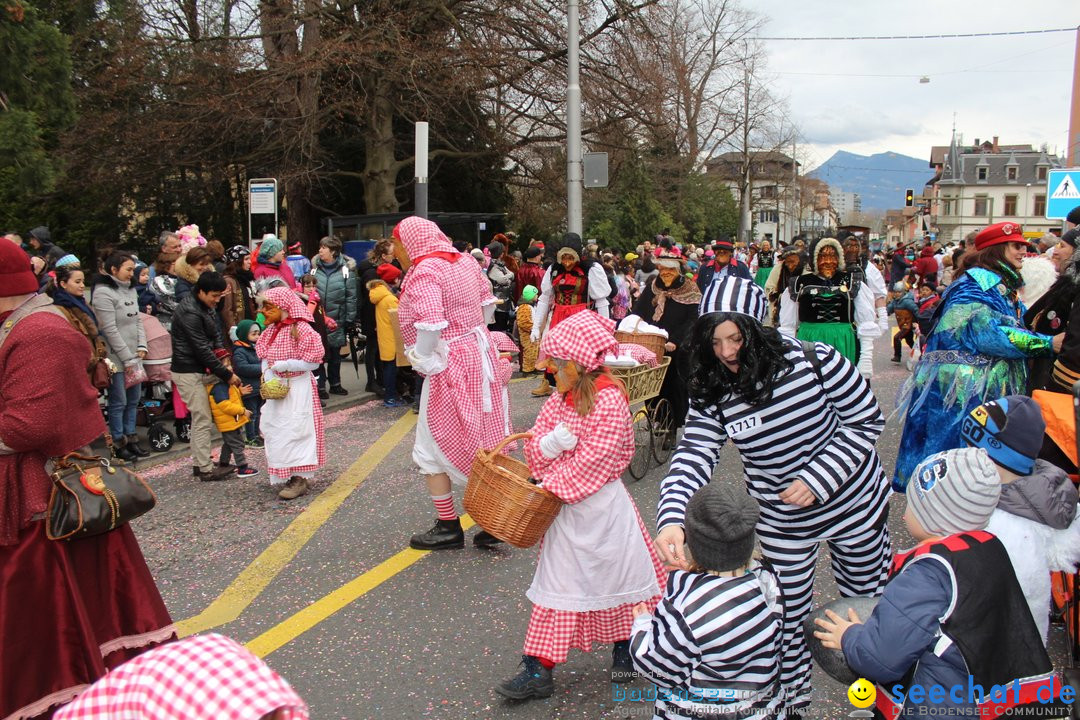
(713, 643)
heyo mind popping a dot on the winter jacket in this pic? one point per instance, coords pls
(195, 336)
(709, 272)
(236, 304)
(529, 273)
(247, 365)
(337, 285)
(1036, 521)
(502, 285)
(186, 277)
(164, 289)
(300, 265)
(384, 300)
(365, 271)
(900, 264)
(227, 407)
(147, 299)
(119, 321)
(282, 270)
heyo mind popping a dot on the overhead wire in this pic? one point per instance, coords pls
(942, 36)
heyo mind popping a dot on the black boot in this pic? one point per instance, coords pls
(123, 452)
(485, 539)
(135, 447)
(444, 535)
(622, 666)
(534, 680)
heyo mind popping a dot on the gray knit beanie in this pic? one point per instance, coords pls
(720, 524)
(954, 491)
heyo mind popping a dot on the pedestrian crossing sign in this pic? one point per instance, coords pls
(1062, 192)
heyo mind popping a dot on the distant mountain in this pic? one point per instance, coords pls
(879, 179)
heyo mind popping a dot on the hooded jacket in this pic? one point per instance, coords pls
(337, 284)
(383, 300)
(1036, 521)
(119, 321)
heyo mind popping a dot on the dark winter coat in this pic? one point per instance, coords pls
(337, 285)
(196, 334)
(247, 365)
(678, 318)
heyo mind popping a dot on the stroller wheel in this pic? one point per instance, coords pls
(183, 430)
(159, 437)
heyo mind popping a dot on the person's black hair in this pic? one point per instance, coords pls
(210, 281)
(114, 260)
(762, 362)
(647, 264)
(460, 245)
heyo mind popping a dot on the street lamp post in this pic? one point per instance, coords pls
(573, 120)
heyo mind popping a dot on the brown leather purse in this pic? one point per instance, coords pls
(93, 495)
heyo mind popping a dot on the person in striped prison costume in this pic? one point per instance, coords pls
(805, 423)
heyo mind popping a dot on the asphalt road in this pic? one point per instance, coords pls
(327, 591)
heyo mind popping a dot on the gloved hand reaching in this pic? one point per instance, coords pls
(283, 366)
(883, 319)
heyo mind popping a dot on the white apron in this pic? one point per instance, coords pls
(289, 427)
(594, 556)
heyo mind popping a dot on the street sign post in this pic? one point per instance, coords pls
(1062, 192)
(262, 208)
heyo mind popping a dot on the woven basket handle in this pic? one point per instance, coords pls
(509, 439)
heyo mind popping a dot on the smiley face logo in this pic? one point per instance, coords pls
(862, 693)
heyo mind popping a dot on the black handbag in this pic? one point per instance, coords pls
(92, 495)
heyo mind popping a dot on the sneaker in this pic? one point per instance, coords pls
(246, 471)
(622, 666)
(338, 390)
(534, 680)
(394, 402)
(323, 395)
(293, 489)
(256, 443)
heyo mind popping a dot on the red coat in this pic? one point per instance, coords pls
(528, 274)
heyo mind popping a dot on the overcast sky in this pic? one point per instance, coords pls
(1016, 87)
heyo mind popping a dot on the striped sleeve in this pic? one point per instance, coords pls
(663, 645)
(691, 465)
(861, 422)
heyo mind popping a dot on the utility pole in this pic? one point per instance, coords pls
(1072, 153)
(745, 220)
(420, 165)
(574, 172)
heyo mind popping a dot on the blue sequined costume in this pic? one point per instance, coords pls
(977, 352)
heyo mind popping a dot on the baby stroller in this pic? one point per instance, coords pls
(158, 388)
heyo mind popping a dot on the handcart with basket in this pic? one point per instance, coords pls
(652, 415)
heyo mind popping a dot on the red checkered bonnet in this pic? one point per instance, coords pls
(206, 676)
(584, 338)
(421, 237)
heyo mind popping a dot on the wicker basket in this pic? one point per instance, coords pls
(274, 392)
(500, 498)
(649, 341)
(642, 382)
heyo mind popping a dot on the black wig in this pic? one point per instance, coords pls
(762, 362)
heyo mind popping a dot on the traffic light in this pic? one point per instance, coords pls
(909, 197)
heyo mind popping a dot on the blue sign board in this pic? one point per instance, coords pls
(1062, 192)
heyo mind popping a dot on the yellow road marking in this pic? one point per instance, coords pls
(302, 621)
(255, 577)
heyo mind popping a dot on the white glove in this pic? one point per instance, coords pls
(883, 320)
(431, 363)
(866, 357)
(489, 313)
(557, 442)
(283, 366)
(426, 341)
(534, 335)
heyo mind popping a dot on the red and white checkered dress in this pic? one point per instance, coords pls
(206, 676)
(277, 343)
(605, 446)
(465, 409)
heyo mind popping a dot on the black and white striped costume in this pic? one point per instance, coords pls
(822, 432)
(713, 646)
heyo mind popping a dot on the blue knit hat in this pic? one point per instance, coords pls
(1010, 429)
(271, 246)
(68, 259)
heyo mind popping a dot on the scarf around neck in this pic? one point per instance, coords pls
(63, 298)
(685, 293)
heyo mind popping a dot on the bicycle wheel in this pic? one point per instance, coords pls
(663, 426)
(643, 436)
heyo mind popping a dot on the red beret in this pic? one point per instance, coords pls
(1005, 232)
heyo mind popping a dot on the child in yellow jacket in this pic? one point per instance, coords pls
(381, 294)
(529, 293)
(230, 417)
